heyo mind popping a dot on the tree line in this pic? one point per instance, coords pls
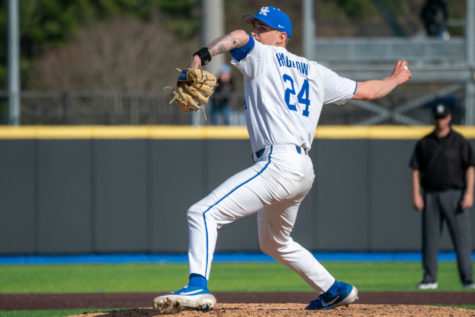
(48, 24)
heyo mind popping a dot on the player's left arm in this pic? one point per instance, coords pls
(374, 89)
(467, 200)
(223, 44)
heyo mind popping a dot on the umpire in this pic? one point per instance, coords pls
(443, 165)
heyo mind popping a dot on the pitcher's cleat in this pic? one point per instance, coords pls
(189, 297)
(427, 285)
(339, 294)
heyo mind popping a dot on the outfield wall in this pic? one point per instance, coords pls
(126, 189)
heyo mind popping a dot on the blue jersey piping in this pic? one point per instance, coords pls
(356, 87)
(241, 52)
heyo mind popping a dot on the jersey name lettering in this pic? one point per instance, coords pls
(284, 60)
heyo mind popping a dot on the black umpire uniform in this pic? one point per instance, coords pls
(442, 163)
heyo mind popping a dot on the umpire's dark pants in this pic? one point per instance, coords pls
(440, 206)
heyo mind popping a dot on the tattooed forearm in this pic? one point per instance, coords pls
(218, 46)
(221, 49)
(235, 42)
(227, 42)
(212, 45)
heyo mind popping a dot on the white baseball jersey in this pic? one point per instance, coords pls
(284, 94)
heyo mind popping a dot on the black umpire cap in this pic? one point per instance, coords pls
(441, 111)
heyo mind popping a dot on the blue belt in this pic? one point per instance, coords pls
(299, 150)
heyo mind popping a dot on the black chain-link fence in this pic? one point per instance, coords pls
(81, 108)
(101, 108)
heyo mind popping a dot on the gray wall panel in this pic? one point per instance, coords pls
(240, 235)
(62, 196)
(342, 201)
(177, 182)
(394, 224)
(224, 158)
(64, 201)
(17, 196)
(120, 195)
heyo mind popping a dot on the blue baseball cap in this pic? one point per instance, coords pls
(273, 17)
(225, 69)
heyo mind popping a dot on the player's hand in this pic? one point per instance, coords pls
(401, 72)
(195, 62)
(467, 201)
(418, 202)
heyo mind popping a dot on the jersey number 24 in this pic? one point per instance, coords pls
(302, 97)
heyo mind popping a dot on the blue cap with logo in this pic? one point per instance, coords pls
(273, 17)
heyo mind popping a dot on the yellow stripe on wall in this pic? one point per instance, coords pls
(122, 132)
(218, 132)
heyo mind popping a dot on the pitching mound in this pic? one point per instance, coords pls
(292, 309)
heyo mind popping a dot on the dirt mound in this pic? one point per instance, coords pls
(121, 300)
(292, 309)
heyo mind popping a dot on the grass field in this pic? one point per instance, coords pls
(231, 277)
(239, 277)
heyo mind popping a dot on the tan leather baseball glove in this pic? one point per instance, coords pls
(193, 89)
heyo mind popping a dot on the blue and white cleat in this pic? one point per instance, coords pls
(189, 297)
(339, 294)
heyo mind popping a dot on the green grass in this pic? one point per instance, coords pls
(251, 277)
(242, 277)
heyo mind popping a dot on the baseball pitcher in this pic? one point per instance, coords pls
(284, 95)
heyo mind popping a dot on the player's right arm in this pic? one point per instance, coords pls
(417, 200)
(223, 44)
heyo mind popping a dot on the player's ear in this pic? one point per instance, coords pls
(282, 38)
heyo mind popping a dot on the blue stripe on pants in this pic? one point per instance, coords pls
(220, 200)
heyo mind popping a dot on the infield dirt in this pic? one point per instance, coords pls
(292, 309)
(290, 304)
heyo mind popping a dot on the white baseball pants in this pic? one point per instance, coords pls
(273, 188)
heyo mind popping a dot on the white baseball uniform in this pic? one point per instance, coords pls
(284, 94)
